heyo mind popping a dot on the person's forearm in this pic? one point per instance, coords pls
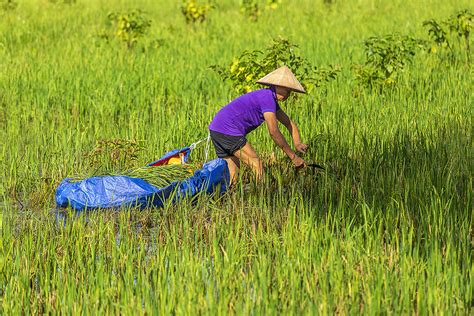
(295, 134)
(282, 143)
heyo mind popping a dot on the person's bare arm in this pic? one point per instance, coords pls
(293, 129)
(277, 136)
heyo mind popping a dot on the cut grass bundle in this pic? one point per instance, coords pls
(158, 176)
(161, 176)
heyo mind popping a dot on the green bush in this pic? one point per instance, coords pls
(253, 9)
(244, 70)
(450, 33)
(194, 12)
(129, 27)
(386, 57)
(7, 5)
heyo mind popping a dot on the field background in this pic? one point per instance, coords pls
(392, 234)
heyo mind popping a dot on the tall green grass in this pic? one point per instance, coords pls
(387, 229)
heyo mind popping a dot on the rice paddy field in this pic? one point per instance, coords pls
(387, 229)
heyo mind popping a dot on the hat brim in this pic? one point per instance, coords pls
(280, 85)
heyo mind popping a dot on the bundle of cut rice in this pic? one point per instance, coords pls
(158, 176)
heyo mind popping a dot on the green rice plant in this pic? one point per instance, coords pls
(253, 9)
(114, 154)
(385, 229)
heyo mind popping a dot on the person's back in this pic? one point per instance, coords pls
(245, 113)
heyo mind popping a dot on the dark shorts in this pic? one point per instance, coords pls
(226, 145)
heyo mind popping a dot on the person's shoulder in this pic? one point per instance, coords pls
(263, 93)
(258, 92)
(268, 95)
(256, 95)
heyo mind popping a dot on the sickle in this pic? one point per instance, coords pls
(315, 166)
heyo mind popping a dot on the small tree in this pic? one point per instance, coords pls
(194, 12)
(7, 5)
(461, 24)
(244, 70)
(253, 9)
(443, 33)
(129, 27)
(386, 57)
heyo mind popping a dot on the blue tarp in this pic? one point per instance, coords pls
(123, 191)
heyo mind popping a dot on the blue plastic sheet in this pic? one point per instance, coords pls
(122, 191)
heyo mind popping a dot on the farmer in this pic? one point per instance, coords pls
(245, 113)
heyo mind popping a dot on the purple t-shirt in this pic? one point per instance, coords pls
(244, 114)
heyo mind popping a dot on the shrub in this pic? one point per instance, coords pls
(129, 27)
(253, 8)
(443, 33)
(7, 5)
(244, 70)
(386, 57)
(194, 12)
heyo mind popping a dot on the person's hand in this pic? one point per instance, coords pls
(298, 162)
(301, 147)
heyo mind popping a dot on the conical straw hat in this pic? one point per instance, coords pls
(282, 77)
